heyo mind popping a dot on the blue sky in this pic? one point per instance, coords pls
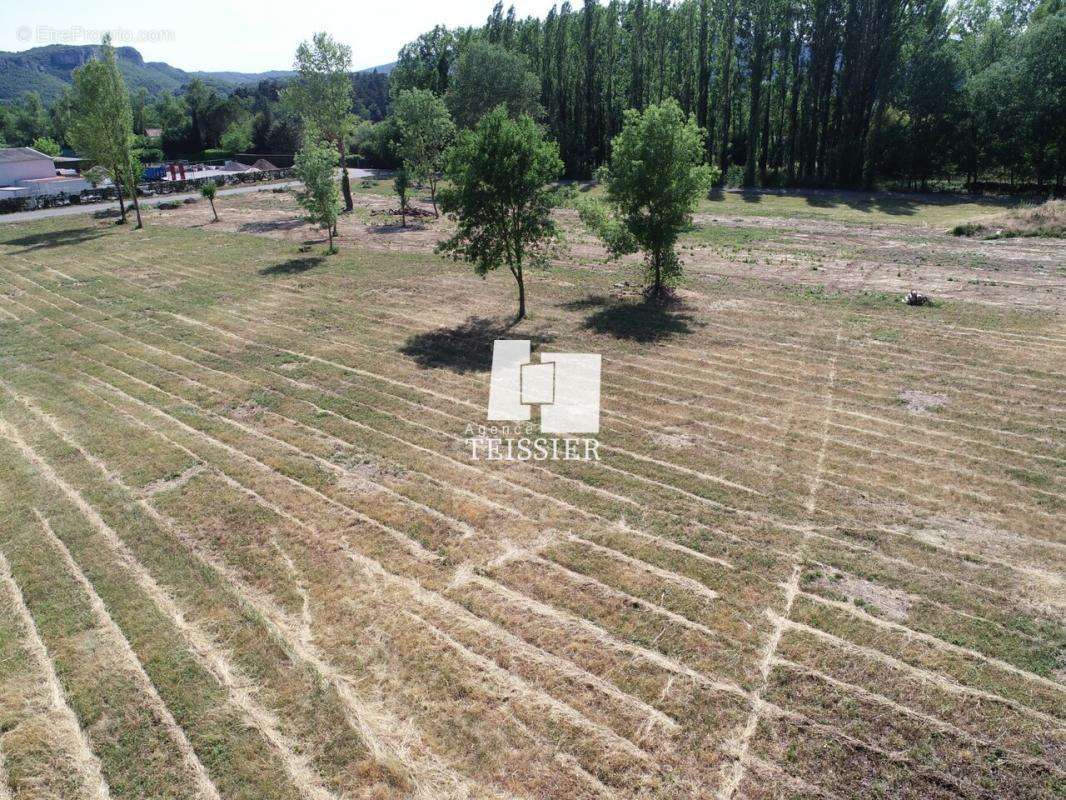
(247, 37)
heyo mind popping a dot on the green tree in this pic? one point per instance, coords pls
(1042, 55)
(486, 75)
(402, 184)
(60, 115)
(46, 145)
(322, 95)
(238, 136)
(31, 118)
(208, 192)
(654, 180)
(425, 131)
(376, 142)
(426, 62)
(314, 165)
(102, 128)
(497, 175)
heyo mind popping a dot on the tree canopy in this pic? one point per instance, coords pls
(315, 165)
(498, 175)
(424, 131)
(102, 127)
(791, 92)
(322, 95)
(654, 180)
(486, 76)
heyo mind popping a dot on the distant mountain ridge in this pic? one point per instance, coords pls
(47, 70)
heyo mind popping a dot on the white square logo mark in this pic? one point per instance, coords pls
(565, 386)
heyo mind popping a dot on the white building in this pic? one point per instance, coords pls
(25, 172)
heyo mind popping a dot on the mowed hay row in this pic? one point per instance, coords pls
(230, 737)
(333, 321)
(44, 750)
(836, 529)
(186, 379)
(322, 625)
(303, 704)
(105, 685)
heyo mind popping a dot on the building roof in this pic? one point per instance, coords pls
(153, 133)
(263, 164)
(10, 155)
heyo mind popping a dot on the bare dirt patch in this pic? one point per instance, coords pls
(176, 482)
(886, 602)
(919, 402)
(248, 410)
(675, 439)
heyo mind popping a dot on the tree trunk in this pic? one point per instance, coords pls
(346, 187)
(764, 147)
(704, 77)
(520, 280)
(118, 189)
(137, 208)
(657, 285)
(329, 232)
(754, 117)
(728, 36)
(797, 83)
(213, 211)
(433, 197)
(636, 81)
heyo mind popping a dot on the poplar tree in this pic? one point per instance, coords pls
(102, 126)
(314, 164)
(425, 131)
(322, 95)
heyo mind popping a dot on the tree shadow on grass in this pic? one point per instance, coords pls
(293, 266)
(60, 238)
(273, 225)
(886, 203)
(397, 227)
(466, 347)
(643, 321)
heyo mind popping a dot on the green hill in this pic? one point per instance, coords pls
(47, 70)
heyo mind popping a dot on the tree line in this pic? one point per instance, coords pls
(196, 121)
(849, 93)
(790, 92)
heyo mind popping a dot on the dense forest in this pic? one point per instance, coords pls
(797, 92)
(850, 93)
(196, 119)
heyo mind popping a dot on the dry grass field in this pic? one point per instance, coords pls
(245, 553)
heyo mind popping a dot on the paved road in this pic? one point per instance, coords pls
(89, 208)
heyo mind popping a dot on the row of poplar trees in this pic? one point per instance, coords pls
(811, 92)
